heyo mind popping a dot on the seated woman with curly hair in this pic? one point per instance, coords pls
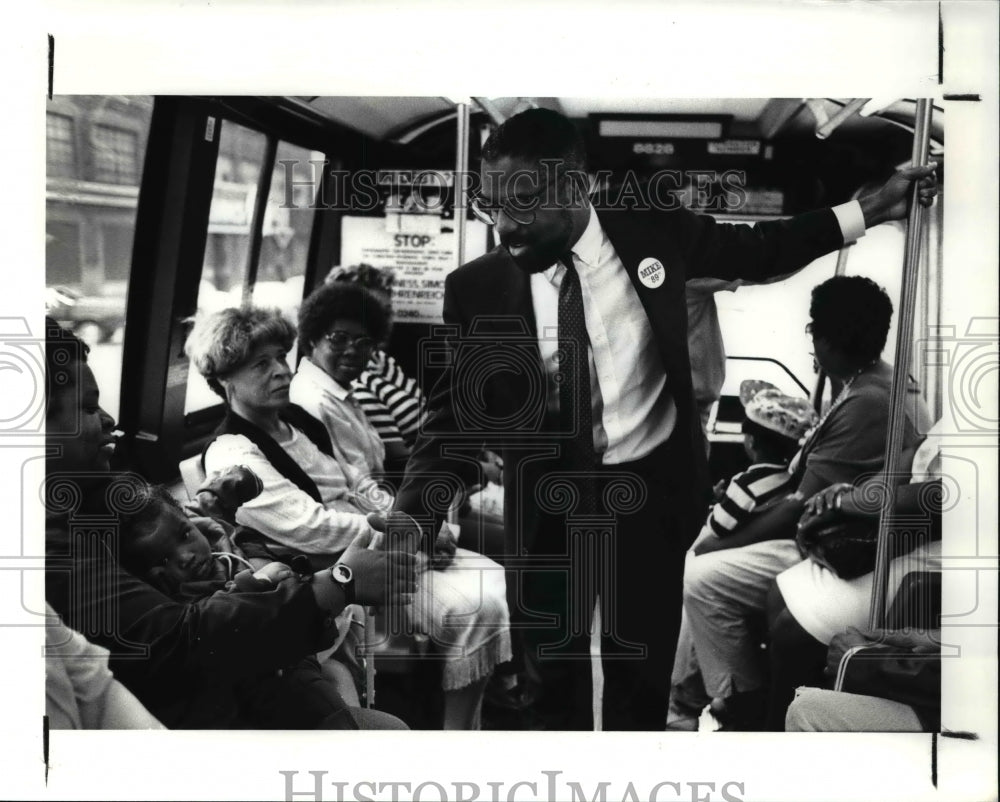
(315, 501)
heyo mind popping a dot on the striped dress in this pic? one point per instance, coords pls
(749, 492)
(392, 401)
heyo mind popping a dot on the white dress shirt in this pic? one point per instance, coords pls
(631, 413)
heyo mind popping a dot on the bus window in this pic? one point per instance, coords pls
(224, 269)
(95, 147)
(287, 226)
(285, 231)
(751, 329)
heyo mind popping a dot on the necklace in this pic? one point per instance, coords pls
(847, 386)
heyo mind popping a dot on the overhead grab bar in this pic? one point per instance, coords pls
(827, 127)
(900, 373)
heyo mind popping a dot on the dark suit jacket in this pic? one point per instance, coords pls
(492, 390)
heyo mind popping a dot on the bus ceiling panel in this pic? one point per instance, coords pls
(403, 119)
(293, 120)
(744, 110)
(379, 117)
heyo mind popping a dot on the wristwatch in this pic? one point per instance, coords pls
(344, 576)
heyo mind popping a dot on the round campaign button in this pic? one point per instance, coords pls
(651, 272)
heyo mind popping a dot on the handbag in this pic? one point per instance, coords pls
(846, 547)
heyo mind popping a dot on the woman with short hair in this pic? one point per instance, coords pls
(315, 501)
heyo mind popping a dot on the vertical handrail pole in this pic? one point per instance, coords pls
(901, 371)
(257, 220)
(461, 170)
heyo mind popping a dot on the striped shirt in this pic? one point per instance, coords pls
(392, 401)
(747, 493)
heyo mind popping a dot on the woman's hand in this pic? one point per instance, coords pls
(828, 499)
(823, 508)
(380, 577)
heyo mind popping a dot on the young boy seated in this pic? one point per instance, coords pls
(772, 429)
(160, 545)
(773, 426)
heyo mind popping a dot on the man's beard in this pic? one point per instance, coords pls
(537, 257)
(532, 264)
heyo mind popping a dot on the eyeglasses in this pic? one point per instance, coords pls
(342, 340)
(521, 210)
(491, 214)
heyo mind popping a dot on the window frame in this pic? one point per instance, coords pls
(171, 236)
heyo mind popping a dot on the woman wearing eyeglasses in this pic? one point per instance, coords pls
(316, 493)
(340, 326)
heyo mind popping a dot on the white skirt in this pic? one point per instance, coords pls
(463, 611)
(825, 605)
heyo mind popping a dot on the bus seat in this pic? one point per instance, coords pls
(192, 473)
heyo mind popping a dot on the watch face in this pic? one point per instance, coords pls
(341, 573)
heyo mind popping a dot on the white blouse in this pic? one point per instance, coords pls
(289, 515)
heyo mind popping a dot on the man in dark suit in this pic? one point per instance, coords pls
(568, 352)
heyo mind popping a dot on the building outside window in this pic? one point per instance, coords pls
(116, 155)
(95, 151)
(60, 153)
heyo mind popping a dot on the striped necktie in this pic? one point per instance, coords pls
(575, 410)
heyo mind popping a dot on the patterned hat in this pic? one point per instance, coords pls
(782, 414)
(750, 387)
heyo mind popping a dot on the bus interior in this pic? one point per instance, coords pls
(162, 208)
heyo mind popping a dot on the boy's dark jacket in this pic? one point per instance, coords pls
(190, 663)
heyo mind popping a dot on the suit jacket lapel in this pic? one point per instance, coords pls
(665, 304)
(516, 299)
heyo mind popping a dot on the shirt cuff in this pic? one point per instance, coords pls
(851, 220)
